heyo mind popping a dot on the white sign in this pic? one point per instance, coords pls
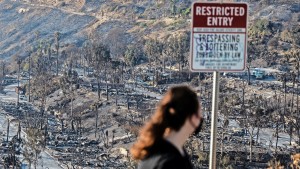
(219, 37)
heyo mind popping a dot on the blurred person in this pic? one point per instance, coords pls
(161, 140)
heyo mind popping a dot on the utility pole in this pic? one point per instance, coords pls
(46, 131)
(29, 72)
(97, 116)
(57, 38)
(18, 90)
(3, 74)
(7, 130)
(19, 130)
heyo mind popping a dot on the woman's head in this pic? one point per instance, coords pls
(179, 104)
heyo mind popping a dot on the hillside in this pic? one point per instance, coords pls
(22, 20)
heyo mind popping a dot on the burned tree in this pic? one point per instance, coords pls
(153, 49)
(100, 59)
(57, 37)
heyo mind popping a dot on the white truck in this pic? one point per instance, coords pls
(258, 73)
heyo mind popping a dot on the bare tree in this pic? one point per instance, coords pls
(69, 84)
(100, 62)
(249, 60)
(86, 54)
(96, 107)
(224, 127)
(178, 48)
(41, 87)
(153, 49)
(57, 37)
(16, 67)
(34, 145)
(3, 69)
(116, 69)
(295, 53)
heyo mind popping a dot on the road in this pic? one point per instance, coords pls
(46, 159)
(266, 136)
(69, 11)
(10, 94)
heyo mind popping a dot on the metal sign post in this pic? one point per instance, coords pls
(218, 44)
(213, 131)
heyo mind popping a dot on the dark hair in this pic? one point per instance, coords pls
(177, 105)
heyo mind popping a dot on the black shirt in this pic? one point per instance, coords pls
(164, 155)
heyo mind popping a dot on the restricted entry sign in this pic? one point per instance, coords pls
(219, 37)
